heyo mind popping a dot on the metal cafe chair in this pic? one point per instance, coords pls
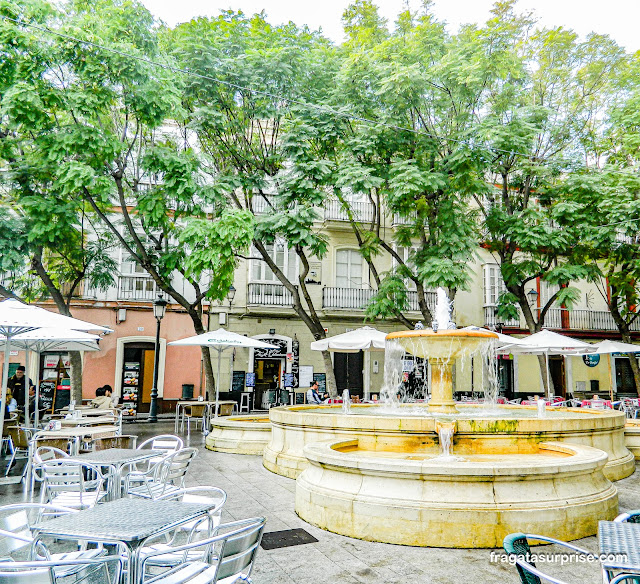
(20, 437)
(230, 555)
(202, 494)
(165, 478)
(72, 484)
(16, 532)
(46, 571)
(517, 545)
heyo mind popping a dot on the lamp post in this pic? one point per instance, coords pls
(231, 295)
(159, 308)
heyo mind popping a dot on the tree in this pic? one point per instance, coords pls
(87, 131)
(243, 134)
(538, 128)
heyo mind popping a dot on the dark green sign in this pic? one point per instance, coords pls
(591, 360)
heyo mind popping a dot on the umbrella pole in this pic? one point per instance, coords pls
(5, 380)
(26, 387)
(37, 400)
(546, 357)
(367, 375)
(218, 383)
(611, 379)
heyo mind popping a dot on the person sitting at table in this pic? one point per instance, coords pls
(312, 394)
(102, 400)
(12, 405)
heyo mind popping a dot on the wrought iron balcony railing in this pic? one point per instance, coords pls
(269, 295)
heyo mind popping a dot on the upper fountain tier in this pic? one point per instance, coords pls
(444, 345)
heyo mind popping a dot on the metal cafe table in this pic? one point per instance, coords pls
(622, 540)
(117, 459)
(127, 521)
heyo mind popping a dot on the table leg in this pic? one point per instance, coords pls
(136, 574)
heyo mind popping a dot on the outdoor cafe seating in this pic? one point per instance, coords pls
(163, 532)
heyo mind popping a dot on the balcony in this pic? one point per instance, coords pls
(397, 219)
(564, 319)
(583, 320)
(362, 211)
(358, 298)
(431, 298)
(353, 298)
(491, 320)
(136, 288)
(269, 295)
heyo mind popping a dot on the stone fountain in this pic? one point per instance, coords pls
(446, 474)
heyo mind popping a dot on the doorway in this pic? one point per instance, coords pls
(268, 381)
(137, 377)
(348, 371)
(557, 374)
(505, 378)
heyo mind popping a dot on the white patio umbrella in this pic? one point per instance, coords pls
(17, 317)
(220, 340)
(49, 339)
(547, 343)
(607, 348)
(503, 340)
(365, 339)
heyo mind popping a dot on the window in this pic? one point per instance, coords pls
(348, 269)
(493, 284)
(283, 257)
(546, 292)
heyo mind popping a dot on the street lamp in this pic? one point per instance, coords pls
(159, 308)
(231, 295)
(532, 296)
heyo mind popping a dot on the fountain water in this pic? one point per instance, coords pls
(542, 408)
(442, 346)
(346, 402)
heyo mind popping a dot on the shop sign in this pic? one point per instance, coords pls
(591, 360)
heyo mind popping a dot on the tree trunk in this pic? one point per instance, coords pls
(209, 378)
(546, 378)
(76, 376)
(332, 387)
(636, 371)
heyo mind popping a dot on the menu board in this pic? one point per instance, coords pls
(63, 397)
(130, 388)
(237, 383)
(321, 378)
(47, 392)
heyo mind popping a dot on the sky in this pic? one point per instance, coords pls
(618, 18)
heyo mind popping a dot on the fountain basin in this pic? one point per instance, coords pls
(632, 437)
(513, 429)
(415, 498)
(239, 434)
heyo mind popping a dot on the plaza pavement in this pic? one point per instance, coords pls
(254, 491)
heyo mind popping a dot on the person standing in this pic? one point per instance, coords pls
(17, 385)
(312, 394)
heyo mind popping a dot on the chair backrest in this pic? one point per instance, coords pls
(19, 436)
(10, 574)
(114, 442)
(45, 453)
(201, 495)
(239, 548)
(15, 526)
(63, 476)
(516, 543)
(631, 517)
(164, 444)
(177, 465)
(59, 443)
(195, 410)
